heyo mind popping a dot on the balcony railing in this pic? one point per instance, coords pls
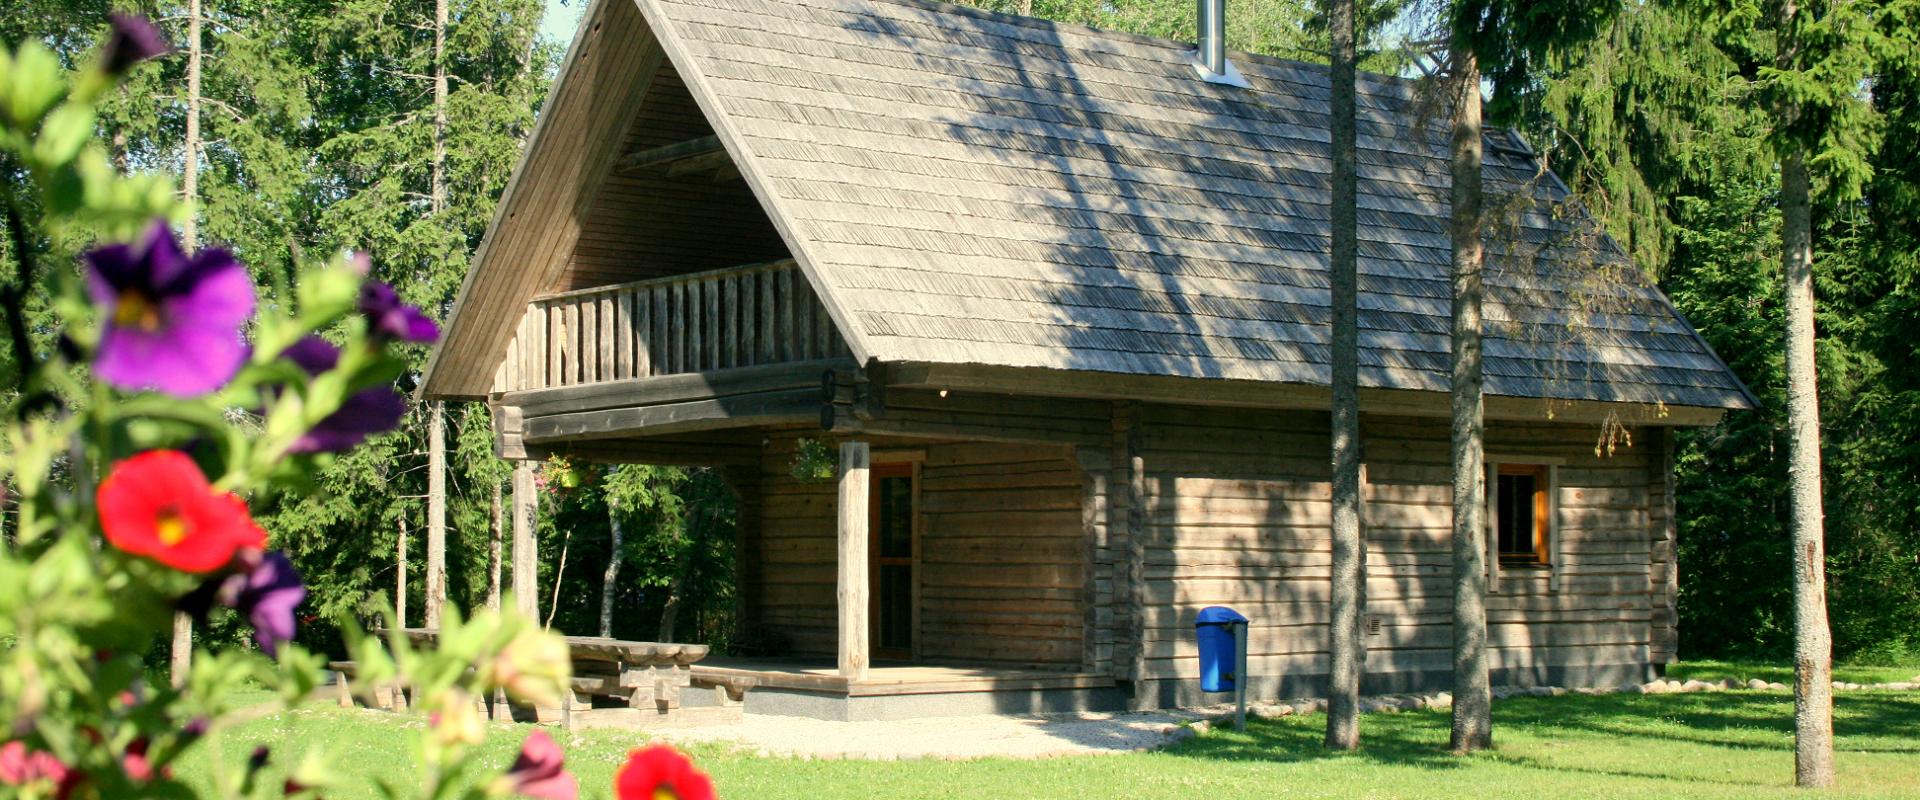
(737, 317)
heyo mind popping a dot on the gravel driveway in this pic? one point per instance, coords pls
(1041, 736)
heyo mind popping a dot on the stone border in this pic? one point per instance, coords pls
(1392, 704)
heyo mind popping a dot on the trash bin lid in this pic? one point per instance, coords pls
(1217, 615)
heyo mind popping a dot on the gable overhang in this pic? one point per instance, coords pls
(575, 146)
(1171, 389)
(574, 143)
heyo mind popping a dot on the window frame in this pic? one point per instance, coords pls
(1547, 526)
(1541, 555)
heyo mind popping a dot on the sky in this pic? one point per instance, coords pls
(561, 18)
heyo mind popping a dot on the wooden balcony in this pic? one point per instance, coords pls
(700, 322)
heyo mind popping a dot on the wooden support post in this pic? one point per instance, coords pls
(436, 512)
(1138, 515)
(855, 459)
(525, 562)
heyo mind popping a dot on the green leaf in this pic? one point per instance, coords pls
(34, 85)
(66, 130)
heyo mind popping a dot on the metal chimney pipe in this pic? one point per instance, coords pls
(1212, 18)
(1211, 58)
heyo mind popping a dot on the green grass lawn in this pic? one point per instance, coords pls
(1719, 745)
(1783, 673)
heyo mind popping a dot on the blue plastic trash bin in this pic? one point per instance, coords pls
(1214, 627)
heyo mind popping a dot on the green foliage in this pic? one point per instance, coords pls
(679, 534)
(116, 526)
(1732, 745)
(1672, 137)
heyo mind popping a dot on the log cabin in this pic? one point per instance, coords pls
(1055, 300)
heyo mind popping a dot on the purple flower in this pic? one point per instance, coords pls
(362, 414)
(173, 320)
(271, 592)
(539, 771)
(389, 319)
(133, 39)
(266, 592)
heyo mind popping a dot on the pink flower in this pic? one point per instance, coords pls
(540, 771)
(22, 767)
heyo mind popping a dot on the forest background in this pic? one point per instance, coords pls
(318, 134)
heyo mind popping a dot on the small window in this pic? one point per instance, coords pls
(1521, 514)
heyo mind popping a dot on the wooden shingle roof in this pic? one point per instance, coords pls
(965, 187)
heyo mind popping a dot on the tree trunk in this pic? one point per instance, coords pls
(439, 189)
(670, 611)
(190, 159)
(181, 661)
(1345, 644)
(559, 574)
(436, 589)
(1472, 694)
(1812, 641)
(495, 533)
(612, 576)
(400, 577)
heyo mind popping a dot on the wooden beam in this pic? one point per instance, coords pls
(1256, 394)
(747, 410)
(646, 451)
(704, 162)
(669, 153)
(507, 430)
(665, 389)
(855, 459)
(525, 552)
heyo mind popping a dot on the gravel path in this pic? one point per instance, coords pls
(1042, 736)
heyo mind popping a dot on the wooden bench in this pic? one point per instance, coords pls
(634, 674)
(389, 696)
(636, 682)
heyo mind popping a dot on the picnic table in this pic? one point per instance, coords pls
(642, 676)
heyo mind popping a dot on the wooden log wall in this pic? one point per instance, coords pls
(1002, 553)
(796, 557)
(1002, 565)
(1664, 576)
(735, 317)
(1237, 513)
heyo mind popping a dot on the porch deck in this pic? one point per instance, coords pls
(813, 687)
(887, 678)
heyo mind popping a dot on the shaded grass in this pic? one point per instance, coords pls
(1709, 745)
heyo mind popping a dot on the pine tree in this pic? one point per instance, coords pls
(1345, 641)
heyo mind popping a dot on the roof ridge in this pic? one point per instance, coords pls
(1180, 45)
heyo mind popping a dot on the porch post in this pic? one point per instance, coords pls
(526, 584)
(854, 461)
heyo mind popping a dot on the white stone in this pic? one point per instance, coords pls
(1756, 684)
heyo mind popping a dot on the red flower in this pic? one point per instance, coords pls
(659, 772)
(158, 505)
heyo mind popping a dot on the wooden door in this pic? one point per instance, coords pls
(894, 547)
